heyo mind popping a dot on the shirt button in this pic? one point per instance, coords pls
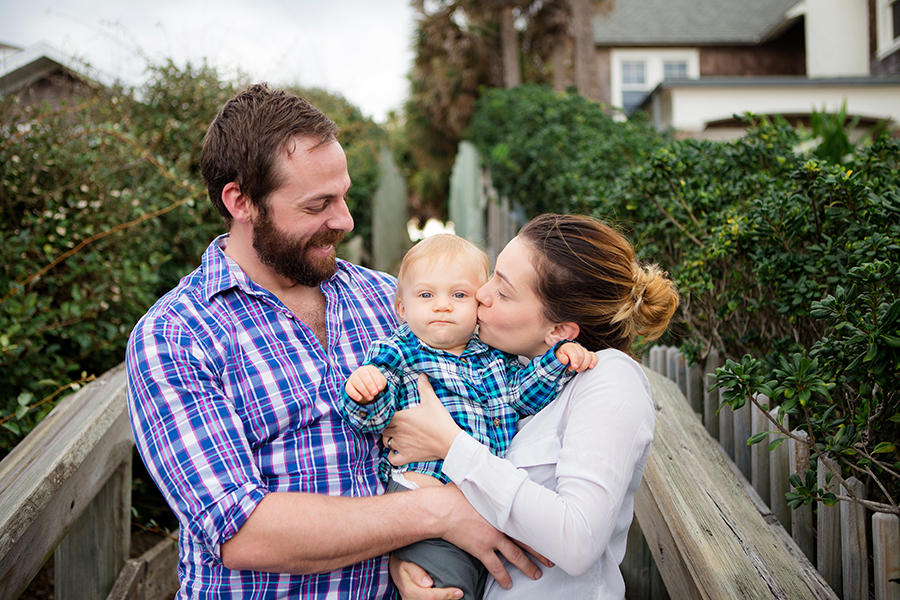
(463, 360)
(359, 477)
(496, 421)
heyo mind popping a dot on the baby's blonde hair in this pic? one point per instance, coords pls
(444, 246)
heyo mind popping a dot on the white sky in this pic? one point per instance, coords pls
(358, 48)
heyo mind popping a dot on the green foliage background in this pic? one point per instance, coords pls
(779, 255)
(102, 210)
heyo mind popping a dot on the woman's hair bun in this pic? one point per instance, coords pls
(655, 301)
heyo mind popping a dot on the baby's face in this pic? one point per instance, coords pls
(437, 300)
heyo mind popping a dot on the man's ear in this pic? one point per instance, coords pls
(237, 203)
(562, 331)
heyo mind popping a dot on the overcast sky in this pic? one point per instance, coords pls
(358, 48)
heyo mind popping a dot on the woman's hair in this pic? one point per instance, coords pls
(248, 136)
(587, 274)
(444, 246)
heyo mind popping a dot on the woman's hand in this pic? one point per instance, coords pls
(424, 432)
(413, 583)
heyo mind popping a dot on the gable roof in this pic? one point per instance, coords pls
(19, 67)
(692, 22)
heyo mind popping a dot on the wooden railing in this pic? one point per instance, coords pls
(66, 489)
(834, 539)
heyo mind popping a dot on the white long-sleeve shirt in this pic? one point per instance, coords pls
(566, 487)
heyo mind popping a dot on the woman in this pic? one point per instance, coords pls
(566, 487)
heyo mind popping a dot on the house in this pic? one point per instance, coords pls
(694, 64)
(39, 73)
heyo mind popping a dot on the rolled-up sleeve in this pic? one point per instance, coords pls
(188, 433)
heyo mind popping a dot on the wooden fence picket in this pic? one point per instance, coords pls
(828, 529)
(711, 398)
(802, 516)
(854, 554)
(759, 453)
(742, 433)
(779, 471)
(886, 551)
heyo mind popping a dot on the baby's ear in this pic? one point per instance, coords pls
(401, 311)
(567, 330)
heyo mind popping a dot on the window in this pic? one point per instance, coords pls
(675, 69)
(634, 73)
(887, 17)
(634, 84)
(895, 18)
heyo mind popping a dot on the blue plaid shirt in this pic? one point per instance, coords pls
(484, 389)
(231, 397)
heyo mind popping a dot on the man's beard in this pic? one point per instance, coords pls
(287, 256)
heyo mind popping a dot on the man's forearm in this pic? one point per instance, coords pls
(312, 533)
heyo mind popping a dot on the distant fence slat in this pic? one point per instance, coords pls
(828, 540)
(726, 427)
(759, 453)
(706, 535)
(742, 430)
(779, 471)
(886, 546)
(41, 498)
(802, 516)
(853, 537)
(711, 398)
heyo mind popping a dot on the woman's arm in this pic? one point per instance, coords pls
(595, 452)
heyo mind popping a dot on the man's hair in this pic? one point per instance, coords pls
(248, 135)
(444, 246)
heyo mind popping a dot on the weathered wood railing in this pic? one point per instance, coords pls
(834, 539)
(65, 490)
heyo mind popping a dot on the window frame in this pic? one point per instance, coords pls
(654, 60)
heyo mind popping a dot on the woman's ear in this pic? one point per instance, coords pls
(562, 331)
(236, 202)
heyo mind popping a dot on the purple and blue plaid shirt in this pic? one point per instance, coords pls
(485, 390)
(231, 397)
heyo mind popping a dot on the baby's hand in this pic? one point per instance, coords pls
(576, 356)
(365, 383)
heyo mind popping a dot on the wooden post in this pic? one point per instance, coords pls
(779, 483)
(726, 427)
(828, 530)
(853, 538)
(84, 442)
(759, 453)
(886, 547)
(695, 389)
(802, 516)
(680, 376)
(88, 560)
(672, 363)
(741, 435)
(656, 362)
(711, 398)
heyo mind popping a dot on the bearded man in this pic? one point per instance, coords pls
(233, 376)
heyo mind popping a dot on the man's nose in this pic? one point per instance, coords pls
(340, 218)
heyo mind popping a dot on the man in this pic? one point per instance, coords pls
(232, 378)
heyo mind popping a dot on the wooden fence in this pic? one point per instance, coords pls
(65, 490)
(834, 538)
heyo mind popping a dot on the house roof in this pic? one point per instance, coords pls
(18, 68)
(693, 22)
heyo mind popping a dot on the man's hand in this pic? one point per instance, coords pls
(365, 383)
(466, 529)
(576, 356)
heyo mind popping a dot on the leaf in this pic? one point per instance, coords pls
(21, 412)
(774, 444)
(25, 398)
(757, 438)
(884, 448)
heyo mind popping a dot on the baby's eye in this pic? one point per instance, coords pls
(425, 295)
(460, 295)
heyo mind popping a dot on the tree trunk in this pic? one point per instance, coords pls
(511, 69)
(560, 61)
(587, 74)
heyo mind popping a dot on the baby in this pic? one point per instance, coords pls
(484, 389)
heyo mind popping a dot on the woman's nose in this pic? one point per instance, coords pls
(483, 296)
